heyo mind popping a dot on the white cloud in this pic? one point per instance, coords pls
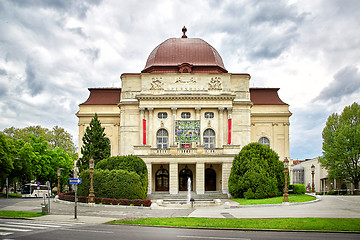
(52, 51)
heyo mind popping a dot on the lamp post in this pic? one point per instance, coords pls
(58, 177)
(312, 174)
(91, 190)
(286, 171)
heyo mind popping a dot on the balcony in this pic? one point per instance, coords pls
(175, 150)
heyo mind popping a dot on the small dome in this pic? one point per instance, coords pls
(184, 55)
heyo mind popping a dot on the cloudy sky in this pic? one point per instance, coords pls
(51, 51)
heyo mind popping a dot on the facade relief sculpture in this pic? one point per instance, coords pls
(215, 83)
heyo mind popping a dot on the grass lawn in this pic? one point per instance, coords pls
(275, 200)
(19, 214)
(321, 224)
(11, 195)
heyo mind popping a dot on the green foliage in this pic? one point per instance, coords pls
(341, 145)
(56, 138)
(298, 188)
(112, 184)
(128, 163)
(256, 173)
(37, 153)
(6, 163)
(95, 144)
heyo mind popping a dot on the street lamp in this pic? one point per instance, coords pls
(58, 176)
(286, 171)
(91, 195)
(312, 174)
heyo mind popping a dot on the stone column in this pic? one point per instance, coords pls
(226, 168)
(174, 178)
(149, 169)
(173, 118)
(197, 113)
(200, 178)
(221, 128)
(150, 127)
(141, 130)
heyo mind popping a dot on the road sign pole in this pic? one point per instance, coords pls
(75, 205)
(49, 187)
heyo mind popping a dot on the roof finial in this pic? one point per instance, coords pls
(184, 31)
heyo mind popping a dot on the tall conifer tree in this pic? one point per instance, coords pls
(95, 144)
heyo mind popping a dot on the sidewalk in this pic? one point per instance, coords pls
(328, 207)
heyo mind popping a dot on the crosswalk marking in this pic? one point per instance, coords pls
(21, 226)
(34, 224)
(10, 227)
(5, 233)
(15, 229)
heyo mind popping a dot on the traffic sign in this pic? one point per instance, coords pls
(75, 181)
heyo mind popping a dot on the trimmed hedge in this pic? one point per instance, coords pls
(256, 173)
(118, 184)
(70, 196)
(128, 163)
(298, 188)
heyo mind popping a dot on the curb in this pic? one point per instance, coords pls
(281, 204)
(240, 229)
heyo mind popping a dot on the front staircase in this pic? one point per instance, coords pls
(184, 196)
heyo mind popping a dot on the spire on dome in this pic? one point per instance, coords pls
(184, 30)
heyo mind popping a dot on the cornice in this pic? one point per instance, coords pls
(176, 97)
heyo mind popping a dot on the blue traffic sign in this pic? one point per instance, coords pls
(75, 181)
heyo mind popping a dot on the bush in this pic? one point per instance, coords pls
(128, 163)
(298, 188)
(112, 184)
(331, 192)
(256, 173)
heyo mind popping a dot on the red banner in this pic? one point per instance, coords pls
(144, 131)
(229, 131)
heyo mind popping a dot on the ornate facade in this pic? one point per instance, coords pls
(187, 117)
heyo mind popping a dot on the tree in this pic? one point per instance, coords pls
(256, 173)
(341, 145)
(6, 163)
(95, 144)
(57, 137)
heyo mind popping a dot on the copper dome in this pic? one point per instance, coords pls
(184, 55)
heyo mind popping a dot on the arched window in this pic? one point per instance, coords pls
(209, 138)
(162, 139)
(265, 141)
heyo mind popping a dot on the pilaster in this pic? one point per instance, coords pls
(174, 181)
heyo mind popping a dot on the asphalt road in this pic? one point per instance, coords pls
(105, 232)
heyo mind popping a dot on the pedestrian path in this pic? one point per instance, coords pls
(9, 227)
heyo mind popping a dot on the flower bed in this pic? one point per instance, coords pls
(70, 196)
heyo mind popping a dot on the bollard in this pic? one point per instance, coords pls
(44, 208)
(192, 200)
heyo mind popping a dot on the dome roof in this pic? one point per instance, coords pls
(184, 55)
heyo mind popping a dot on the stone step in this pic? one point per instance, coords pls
(184, 196)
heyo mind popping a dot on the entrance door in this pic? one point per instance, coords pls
(210, 179)
(162, 180)
(184, 175)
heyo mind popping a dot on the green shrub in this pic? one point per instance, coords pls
(128, 163)
(256, 173)
(298, 188)
(113, 184)
(331, 192)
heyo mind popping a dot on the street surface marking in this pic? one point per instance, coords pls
(201, 237)
(14, 229)
(21, 226)
(33, 224)
(5, 233)
(84, 230)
